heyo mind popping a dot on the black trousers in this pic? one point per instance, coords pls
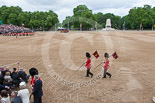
(106, 73)
(37, 100)
(88, 72)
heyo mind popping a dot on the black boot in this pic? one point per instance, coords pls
(110, 76)
(92, 76)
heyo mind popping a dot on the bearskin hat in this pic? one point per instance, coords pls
(33, 71)
(106, 55)
(88, 55)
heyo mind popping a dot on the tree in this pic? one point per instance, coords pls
(37, 20)
(82, 16)
(141, 17)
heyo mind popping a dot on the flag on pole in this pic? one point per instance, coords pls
(96, 54)
(115, 55)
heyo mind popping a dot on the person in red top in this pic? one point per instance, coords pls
(106, 66)
(33, 81)
(88, 65)
(33, 71)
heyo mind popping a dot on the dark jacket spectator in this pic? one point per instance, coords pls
(3, 87)
(37, 91)
(23, 75)
(1, 78)
(2, 71)
(7, 70)
(15, 77)
(16, 99)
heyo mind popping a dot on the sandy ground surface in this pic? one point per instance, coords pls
(58, 57)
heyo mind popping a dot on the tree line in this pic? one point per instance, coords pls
(83, 17)
(138, 18)
(36, 20)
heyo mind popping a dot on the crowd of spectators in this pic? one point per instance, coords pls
(9, 30)
(11, 81)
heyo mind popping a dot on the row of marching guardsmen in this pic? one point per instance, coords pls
(106, 63)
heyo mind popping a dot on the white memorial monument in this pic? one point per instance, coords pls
(108, 25)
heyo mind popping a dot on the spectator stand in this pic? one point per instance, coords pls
(13, 30)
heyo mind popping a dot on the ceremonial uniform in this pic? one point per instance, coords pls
(106, 67)
(88, 66)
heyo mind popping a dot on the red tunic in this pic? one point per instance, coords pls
(33, 82)
(88, 63)
(106, 65)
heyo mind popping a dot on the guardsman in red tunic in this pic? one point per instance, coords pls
(88, 65)
(106, 66)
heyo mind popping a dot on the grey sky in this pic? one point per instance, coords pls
(65, 7)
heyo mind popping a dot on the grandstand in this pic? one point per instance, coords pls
(13, 30)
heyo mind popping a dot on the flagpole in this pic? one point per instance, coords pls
(81, 66)
(98, 65)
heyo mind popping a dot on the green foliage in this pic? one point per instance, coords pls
(35, 20)
(82, 15)
(143, 17)
(138, 17)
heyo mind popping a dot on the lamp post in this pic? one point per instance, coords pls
(68, 25)
(96, 26)
(124, 25)
(55, 27)
(153, 26)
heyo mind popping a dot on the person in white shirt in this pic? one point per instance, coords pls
(24, 93)
(153, 99)
(5, 97)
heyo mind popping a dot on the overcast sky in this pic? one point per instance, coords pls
(65, 7)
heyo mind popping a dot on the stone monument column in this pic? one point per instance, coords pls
(108, 25)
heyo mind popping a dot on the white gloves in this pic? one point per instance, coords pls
(85, 61)
(103, 62)
(31, 86)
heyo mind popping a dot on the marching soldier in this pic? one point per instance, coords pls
(106, 66)
(88, 65)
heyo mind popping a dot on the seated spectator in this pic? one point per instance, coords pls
(15, 77)
(24, 93)
(5, 97)
(16, 99)
(23, 75)
(1, 78)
